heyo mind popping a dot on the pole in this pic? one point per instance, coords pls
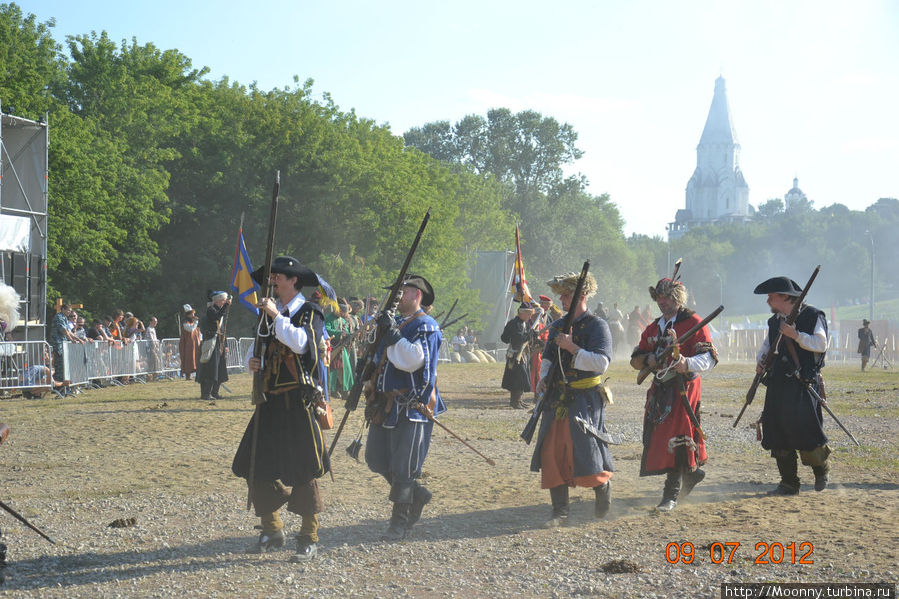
(871, 316)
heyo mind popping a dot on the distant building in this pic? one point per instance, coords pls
(794, 195)
(717, 191)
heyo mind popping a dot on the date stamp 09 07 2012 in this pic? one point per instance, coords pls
(726, 553)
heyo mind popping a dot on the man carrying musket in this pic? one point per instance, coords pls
(791, 419)
(565, 455)
(290, 450)
(406, 377)
(518, 333)
(673, 444)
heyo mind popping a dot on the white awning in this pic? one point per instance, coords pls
(15, 233)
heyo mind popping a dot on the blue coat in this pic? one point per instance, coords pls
(590, 456)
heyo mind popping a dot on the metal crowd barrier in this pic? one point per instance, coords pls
(25, 365)
(103, 361)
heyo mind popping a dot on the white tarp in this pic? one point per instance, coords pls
(15, 233)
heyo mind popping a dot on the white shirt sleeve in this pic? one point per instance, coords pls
(406, 355)
(590, 362)
(293, 337)
(763, 350)
(815, 342)
(700, 363)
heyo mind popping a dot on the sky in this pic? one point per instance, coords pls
(813, 86)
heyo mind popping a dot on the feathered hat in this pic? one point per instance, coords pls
(670, 287)
(568, 282)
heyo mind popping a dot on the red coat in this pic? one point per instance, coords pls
(666, 425)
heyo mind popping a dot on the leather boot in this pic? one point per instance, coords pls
(399, 520)
(789, 475)
(821, 476)
(268, 541)
(515, 399)
(420, 498)
(670, 492)
(603, 499)
(559, 497)
(690, 480)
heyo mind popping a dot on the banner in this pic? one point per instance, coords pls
(519, 282)
(242, 283)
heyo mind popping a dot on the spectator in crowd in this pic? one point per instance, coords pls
(80, 331)
(189, 346)
(59, 334)
(38, 378)
(154, 357)
(134, 329)
(116, 331)
(97, 332)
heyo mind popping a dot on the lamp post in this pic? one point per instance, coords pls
(720, 288)
(871, 315)
(668, 243)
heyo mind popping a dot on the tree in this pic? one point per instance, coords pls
(30, 63)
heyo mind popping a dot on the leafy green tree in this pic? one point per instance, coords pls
(30, 63)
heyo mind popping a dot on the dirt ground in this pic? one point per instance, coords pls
(159, 454)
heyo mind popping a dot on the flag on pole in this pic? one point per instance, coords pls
(519, 282)
(242, 283)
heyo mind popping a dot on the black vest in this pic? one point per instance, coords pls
(809, 362)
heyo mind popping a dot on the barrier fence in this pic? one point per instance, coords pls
(27, 364)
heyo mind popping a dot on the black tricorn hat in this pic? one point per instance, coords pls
(419, 282)
(289, 267)
(784, 285)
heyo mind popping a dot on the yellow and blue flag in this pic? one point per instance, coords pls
(242, 283)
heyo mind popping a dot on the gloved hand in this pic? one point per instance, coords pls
(391, 331)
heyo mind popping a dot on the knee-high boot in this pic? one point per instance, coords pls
(788, 467)
(559, 497)
(670, 491)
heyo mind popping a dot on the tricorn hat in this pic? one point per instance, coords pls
(421, 283)
(784, 285)
(865, 322)
(289, 267)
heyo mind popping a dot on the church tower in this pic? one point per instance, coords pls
(717, 191)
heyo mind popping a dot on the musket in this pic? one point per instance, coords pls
(258, 395)
(453, 321)
(556, 370)
(443, 325)
(22, 519)
(427, 412)
(661, 357)
(772, 352)
(821, 401)
(4, 432)
(366, 365)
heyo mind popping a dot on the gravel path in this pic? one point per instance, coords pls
(156, 454)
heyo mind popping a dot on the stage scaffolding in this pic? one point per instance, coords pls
(23, 218)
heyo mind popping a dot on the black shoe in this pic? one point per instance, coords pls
(603, 500)
(691, 479)
(215, 395)
(306, 550)
(821, 477)
(420, 498)
(784, 489)
(666, 505)
(396, 529)
(267, 542)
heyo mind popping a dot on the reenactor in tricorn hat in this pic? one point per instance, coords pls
(291, 454)
(519, 334)
(866, 341)
(791, 421)
(673, 443)
(564, 454)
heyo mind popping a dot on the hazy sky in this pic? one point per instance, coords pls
(813, 85)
